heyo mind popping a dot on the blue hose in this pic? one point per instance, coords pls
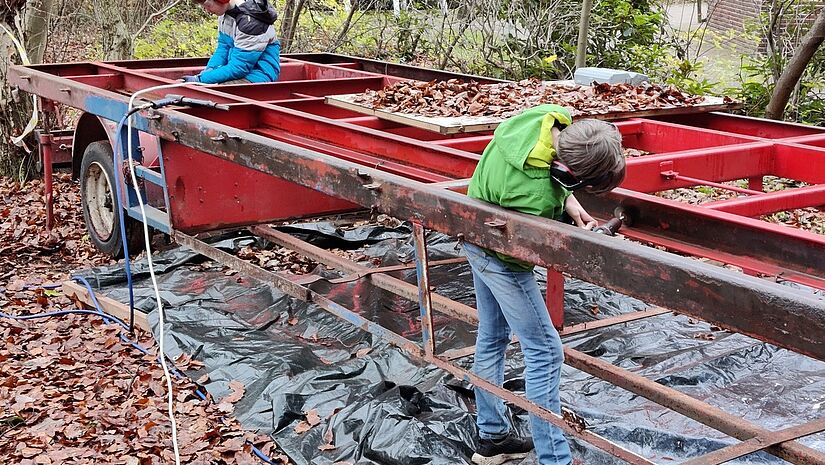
(117, 156)
(116, 162)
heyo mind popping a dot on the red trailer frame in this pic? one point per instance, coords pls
(279, 152)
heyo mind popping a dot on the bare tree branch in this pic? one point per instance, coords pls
(152, 17)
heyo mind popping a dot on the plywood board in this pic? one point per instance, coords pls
(463, 124)
(107, 304)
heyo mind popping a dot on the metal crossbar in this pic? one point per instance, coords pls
(758, 443)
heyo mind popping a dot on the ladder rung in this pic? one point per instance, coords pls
(155, 218)
(150, 175)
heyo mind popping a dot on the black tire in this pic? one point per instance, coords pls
(97, 196)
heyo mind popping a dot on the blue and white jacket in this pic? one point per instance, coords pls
(247, 45)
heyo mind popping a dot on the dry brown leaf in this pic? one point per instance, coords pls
(302, 427)
(237, 392)
(313, 418)
(76, 381)
(328, 440)
(225, 407)
(29, 452)
(361, 352)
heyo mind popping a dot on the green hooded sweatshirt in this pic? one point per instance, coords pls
(514, 170)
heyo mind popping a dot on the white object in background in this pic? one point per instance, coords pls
(587, 76)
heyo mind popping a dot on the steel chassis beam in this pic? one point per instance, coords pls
(769, 311)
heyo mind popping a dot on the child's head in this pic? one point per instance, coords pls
(592, 150)
(216, 7)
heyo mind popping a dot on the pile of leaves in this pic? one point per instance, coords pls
(808, 219)
(455, 97)
(277, 259)
(26, 245)
(698, 195)
(71, 391)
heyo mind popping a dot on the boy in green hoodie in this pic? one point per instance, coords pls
(532, 164)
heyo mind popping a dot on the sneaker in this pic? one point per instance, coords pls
(496, 452)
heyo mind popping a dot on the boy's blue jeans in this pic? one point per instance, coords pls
(508, 300)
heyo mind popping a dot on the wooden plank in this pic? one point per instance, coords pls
(464, 124)
(107, 304)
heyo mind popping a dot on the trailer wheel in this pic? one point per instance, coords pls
(97, 196)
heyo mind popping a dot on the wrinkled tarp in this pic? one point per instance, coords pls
(377, 405)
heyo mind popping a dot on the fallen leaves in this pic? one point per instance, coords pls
(808, 219)
(454, 98)
(312, 419)
(277, 259)
(25, 241)
(237, 392)
(71, 391)
(328, 441)
(633, 153)
(83, 412)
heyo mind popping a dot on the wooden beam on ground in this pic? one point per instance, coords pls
(107, 304)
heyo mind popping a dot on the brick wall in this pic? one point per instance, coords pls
(724, 16)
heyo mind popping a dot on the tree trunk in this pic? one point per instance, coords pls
(289, 23)
(339, 39)
(796, 67)
(38, 13)
(286, 25)
(117, 41)
(15, 107)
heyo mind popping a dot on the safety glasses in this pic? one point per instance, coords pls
(562, 175)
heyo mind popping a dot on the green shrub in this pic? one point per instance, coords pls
(170, 38)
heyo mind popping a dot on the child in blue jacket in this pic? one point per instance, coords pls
(248, 49)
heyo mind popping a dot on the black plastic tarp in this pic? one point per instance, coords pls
(377, 405)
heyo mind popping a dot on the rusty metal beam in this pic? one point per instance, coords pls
(768, 311)
(425, 304)
(796, 255)
(612, 321)
(575, 329)
(758, 443)
(702, 412)
(380, 280)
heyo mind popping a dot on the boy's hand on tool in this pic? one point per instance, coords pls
(578, 213)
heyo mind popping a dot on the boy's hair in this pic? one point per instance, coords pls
(592, 149)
